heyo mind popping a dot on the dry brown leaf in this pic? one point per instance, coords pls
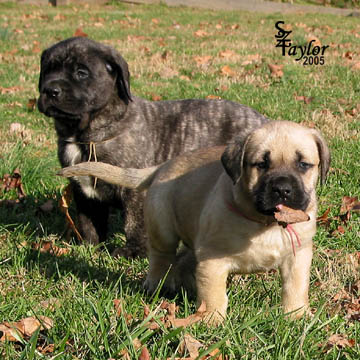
(316, 41)
(10, 90)
(124, 355)
(144, 355)
(251, 59)
(348, 55)
(201, 33)
(50, 248)
(191, 319)
(192, 345)
(227, 71)
(118, 306)
(50, 304)
(13, 182)
(36, 48)
(202, 60)
(213, 355)
(48, 349)
(349, 204)
(24, 328)
(8, 333)
(305, 99)
(324, 218)
(328, 29)
(286, 215)
(31, 105)
(340, 230)
(64, 204)
(227, 54)
(213, 97)
(79, 32)
(340, 340)
(59, 17)
(155, 97)
(276, 70)
(352, 112)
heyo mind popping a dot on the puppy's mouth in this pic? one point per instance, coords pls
(274, 208)
(55, 112)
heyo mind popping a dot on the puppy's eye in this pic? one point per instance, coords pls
(82, 74)
(109, 68)
(304, 166)
(262, 165)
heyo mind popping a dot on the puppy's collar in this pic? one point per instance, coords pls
(289, 229)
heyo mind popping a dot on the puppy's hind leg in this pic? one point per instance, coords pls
(162, 246)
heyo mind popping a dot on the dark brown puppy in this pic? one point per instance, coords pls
(85, 87)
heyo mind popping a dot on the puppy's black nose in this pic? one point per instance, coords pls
(53, 92)
(282, 188)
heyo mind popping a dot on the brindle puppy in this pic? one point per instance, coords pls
(85, 87)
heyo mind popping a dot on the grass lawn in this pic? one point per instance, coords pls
(96, 303)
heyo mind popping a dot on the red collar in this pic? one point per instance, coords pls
(290, 230)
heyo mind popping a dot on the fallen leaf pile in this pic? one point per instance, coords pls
(349, 300)
(349, 205)
(164, 316)
(339, 341)
(24, 328)
(170, 320)
(13, 182)
(50, 248)
(285, 215)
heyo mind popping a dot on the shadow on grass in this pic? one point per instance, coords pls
(85, 270)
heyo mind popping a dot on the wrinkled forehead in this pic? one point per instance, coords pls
(283, 142)
(71, 52)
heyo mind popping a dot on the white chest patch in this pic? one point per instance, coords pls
(73, 156)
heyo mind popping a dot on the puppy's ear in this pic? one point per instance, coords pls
(233, 158)
(120, 67)
(42, 66)
(324, 154)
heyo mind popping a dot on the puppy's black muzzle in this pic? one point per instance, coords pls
(275, 189)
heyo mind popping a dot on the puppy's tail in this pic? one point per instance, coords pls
(139, 179)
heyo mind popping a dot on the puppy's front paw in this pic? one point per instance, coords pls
(297, 313)
(213, 318)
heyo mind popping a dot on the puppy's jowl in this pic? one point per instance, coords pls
(85, 87)
(221, 202)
